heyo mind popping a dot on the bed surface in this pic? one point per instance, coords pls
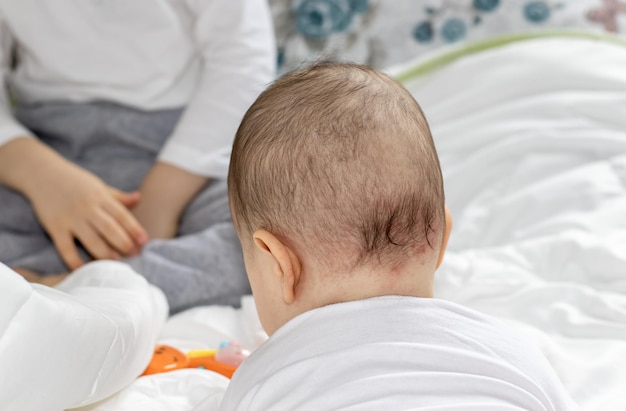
(532, 141)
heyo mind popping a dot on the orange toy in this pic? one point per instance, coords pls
(224, 361)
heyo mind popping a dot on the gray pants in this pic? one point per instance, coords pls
(203, 265)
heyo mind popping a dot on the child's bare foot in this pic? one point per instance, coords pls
(33, 277)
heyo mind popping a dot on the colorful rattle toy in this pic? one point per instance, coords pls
(225, 360)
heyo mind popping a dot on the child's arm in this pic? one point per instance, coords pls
(165, 192)
(71, 203)
(234, 39)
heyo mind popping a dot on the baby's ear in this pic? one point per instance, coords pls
(287, 268)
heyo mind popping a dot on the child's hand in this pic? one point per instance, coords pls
(77, 205)
(71, 203)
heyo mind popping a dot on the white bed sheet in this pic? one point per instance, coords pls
(532, 140)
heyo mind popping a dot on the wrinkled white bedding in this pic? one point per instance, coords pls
(60, 348)
(532, 140)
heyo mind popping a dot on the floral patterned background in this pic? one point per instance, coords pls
(387, 32)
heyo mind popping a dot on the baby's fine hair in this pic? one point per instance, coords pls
(339, 158)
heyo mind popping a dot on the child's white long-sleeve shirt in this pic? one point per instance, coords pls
(213, 56)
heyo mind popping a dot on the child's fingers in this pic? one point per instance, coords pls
(94, 243)
(113, 233)
(64, 243)
(128, 222)
(127, 199)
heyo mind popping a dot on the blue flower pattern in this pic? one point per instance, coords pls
(423, 32)
(486, 5)
(366, 30)
(454, 29)
(319, 19)
(536, 12)
(359, 6)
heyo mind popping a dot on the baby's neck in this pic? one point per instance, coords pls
(410, 279)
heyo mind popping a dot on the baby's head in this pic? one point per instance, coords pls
(336, 192)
